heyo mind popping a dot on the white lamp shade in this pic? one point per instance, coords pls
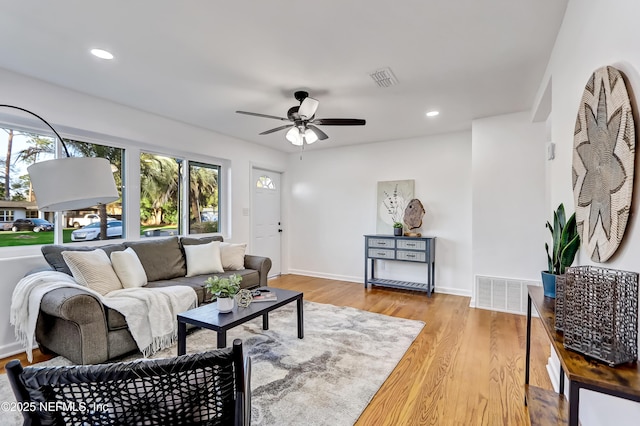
(72, 183)
(294, 136)
(310, 136)
(308, 108)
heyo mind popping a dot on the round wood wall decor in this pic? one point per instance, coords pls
(604, 144)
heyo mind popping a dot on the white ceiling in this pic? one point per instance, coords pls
(199, 61)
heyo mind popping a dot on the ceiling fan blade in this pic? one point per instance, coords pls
(339, 122)
(262, 115)
(308, 108)
(321, 135)
(266, 132)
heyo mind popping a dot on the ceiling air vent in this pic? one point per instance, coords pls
(384, 77)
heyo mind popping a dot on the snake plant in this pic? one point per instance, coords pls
(566, 241)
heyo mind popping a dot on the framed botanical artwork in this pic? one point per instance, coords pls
(393, 197)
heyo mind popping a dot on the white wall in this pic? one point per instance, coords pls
(66, 109)
(509, 211)
(594, 33)
(333, 204)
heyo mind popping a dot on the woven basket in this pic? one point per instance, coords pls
(601, 313)
(560, 286)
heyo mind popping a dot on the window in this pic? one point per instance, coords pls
(24, 148)
(21, 149)
(265, 182)
(159, 195)
(6, 215)
(177, 195)
(203, 198)
(112, 210)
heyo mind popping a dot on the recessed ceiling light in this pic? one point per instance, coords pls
(102, 54)
(432, 113)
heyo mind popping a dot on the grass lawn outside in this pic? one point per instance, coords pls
(29, 238)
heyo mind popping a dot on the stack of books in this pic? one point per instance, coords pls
(263, 295)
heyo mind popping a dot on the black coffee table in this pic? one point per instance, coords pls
(207, 316)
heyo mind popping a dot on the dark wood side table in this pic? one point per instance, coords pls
(548, 407)
(208, 317)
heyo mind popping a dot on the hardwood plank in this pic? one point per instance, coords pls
(466, 367)
(22, 357)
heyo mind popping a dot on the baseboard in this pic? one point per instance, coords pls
(453, 291)
(359, 280)
(554, 374)
(326, 276)
(12, 349)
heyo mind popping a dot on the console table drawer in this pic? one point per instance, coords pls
(382, 253)
(412, 245)
(416, 256)
(381, 242)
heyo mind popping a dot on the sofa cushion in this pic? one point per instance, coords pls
(128, 268)
(203, 259)
(53, 254)
(189, 241)
(196, 285)
(92, 269)
(250, 278)
(115, 320)
(232, 256)
(161, 259)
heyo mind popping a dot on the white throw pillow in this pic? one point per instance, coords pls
(93, 269)
(232, 256)
(203, 259)
(128, 268)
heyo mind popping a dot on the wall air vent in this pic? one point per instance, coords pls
(384, 77)
(502, 294)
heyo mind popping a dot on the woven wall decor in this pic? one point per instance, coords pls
(604, 145)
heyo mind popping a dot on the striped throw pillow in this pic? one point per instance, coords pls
(92, 269)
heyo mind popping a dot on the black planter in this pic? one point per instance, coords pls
(397, 232)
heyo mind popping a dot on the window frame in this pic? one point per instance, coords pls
(187, 214)
(130, 178)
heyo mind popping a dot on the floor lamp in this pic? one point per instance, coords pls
(71, 183)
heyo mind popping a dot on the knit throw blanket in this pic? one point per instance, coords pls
(150, 312)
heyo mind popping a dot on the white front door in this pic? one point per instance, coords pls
(266, 217)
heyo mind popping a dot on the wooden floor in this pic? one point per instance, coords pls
(466, 367)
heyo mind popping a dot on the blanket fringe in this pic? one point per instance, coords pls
(159, 343)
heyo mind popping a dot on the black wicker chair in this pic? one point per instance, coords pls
(211, 388)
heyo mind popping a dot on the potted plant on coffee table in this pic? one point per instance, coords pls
(566, 242)
(224, 289)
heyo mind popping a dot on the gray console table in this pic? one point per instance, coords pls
(404, 249)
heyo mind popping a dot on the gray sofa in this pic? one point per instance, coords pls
(76, 325)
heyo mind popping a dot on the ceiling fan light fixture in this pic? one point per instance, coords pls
(294, 136)
(308, 108)
(310, 136)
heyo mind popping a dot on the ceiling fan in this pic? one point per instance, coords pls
(303, 128)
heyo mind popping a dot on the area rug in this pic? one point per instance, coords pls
(327, 378)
